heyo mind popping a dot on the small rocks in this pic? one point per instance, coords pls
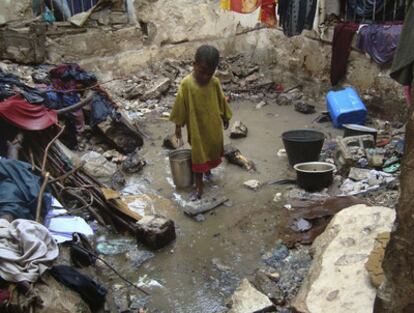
(304, 107)
(238, 130)
(133, 163)
(247, 299)
(261, 104)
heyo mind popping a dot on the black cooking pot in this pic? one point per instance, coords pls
(314, 176)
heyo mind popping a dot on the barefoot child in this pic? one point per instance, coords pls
(201, 106)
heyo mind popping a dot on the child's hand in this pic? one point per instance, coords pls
(225, 124)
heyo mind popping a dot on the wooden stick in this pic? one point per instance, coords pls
(48, 147)
(40, 198)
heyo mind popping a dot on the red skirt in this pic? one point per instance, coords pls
(205, 167)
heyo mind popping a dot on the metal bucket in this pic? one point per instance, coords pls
(180, 162)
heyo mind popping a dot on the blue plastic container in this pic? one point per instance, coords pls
(346, 107)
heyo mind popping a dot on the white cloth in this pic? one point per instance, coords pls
(27, 249)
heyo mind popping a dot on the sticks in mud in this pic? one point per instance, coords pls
(67, 179)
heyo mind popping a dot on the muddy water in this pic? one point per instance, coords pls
(204, 265)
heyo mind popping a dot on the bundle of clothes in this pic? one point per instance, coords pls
(34, 108)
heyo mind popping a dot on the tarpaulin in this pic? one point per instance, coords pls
(19, 112)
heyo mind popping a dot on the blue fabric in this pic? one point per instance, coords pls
(19, 189)
(76, 5)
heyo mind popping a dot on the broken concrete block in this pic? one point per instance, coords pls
(358, 174)
(155, 231)
(238, 130)
(247, 299)
(338, 278)
(160, 87)
(350, 150)
(252, 184)
(265, 284)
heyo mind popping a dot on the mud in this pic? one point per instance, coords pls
(208, 259)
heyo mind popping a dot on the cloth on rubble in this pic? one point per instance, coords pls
(402, 69)
(267, 9)
(201, 109)
(341, 48)
(67, 79)
(27, 249)
(296, 15)
(11, 84)
(90, 291)
(379, 41)
(21, 113)
(19, 189)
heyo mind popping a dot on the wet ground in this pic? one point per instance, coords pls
(208, 259)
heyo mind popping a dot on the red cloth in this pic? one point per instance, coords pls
(205, 167)
(21, 113)
(341, 48)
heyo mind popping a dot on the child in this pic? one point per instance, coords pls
(201, 106)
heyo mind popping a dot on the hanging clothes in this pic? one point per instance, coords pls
(379, 41)
(267, 9)
(402, 69)
(341, 48)
(296, 15)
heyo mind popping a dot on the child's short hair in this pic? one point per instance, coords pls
(209, 55)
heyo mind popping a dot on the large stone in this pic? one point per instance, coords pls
(374, 263)
(247, 299)
(338, 280)
(155, 231)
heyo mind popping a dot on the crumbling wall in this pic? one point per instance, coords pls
(14, 10)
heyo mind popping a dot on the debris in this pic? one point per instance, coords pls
(267, 286)
(233, 155)
(304, 107)
(172, 142)
(160, 87)
(351, 149)
(358, 174)
(247, 299)
(120, 295)
(238, 130)
(282, 153)
(199, 218)
(261, 104)
(122, 134)
(224, 76)
(206, 204)
(155, 231)
(317, 214)
(114, 156)
(133, 163)
(301, 225)
(62, 226)
(252, 184)
(277, 197)
(98, 166)
(139, 257)
(116, 246)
